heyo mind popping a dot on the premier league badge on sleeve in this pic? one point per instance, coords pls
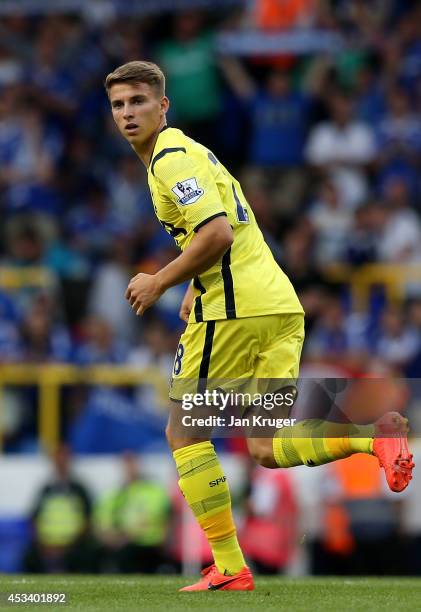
(187, 191)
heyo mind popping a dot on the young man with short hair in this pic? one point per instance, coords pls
(244, 318)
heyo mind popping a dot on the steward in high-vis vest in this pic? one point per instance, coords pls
(60, 518)
(132, 522)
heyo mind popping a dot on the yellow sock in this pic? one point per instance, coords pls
(206, 490)
(314, 442)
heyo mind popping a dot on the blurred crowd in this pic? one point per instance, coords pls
(326, 145)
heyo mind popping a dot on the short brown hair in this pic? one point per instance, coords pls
(137, 72)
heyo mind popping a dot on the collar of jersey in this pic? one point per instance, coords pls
(165, 127)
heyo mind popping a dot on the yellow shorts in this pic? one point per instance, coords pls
(265, 347)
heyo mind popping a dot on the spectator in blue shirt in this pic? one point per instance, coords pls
(399, 133)
(370, 103)
(9, 335)
(42, 338)
(278, 123)
(99, 345)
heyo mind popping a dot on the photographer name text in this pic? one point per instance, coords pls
(219, 421)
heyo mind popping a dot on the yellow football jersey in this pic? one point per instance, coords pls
(189, 187)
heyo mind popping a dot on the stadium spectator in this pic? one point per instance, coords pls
(29, 150)
(79, 167)
(397, 344)
(106, 295)
(10, 67)
(155, 351)
(52, 84)
(331, 221)
(129, 195)
(361, 244)
(27, 240)
(399, 227)
(98, 344)
(299, 263)
(123, 40)
(399, 132)
(361, 522)
(61, 520)
(342, 148)
(367, 20)
(279, 118)
(42, 338)
(408, 36)
(9, 336)
(336, 337)
(132, 522)
(259, 199)
(24, 242)
(271, 516)
(370, 105)
(188, 60)
(413, 309)
(91, 224)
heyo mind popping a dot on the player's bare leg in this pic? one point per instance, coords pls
(261, 450)
(205, 489)
(298, 449)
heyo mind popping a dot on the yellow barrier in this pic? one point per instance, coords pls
(32, 276)
(50, 378)
(394, 278)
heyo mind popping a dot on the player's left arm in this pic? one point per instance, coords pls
(207, 247)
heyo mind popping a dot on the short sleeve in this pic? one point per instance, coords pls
(189, 183)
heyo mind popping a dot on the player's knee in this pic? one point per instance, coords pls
(176, 442)
(261, 451)
(171, 438)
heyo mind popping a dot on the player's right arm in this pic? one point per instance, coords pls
(206, 248)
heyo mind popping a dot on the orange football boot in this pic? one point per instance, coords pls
(212, 580)
(393, 453)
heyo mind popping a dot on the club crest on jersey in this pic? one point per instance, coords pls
(187, 191)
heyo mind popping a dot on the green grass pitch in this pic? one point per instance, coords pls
(130, 593)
